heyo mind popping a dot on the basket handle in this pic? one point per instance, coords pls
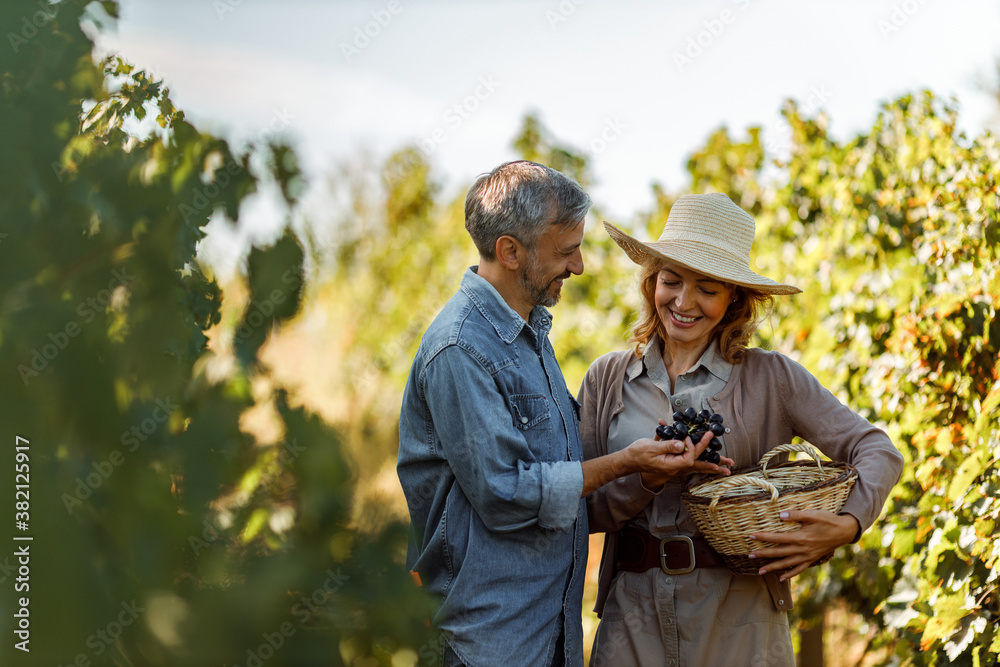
(741, 480)
(781, 449)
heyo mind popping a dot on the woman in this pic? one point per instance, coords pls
(700, 305)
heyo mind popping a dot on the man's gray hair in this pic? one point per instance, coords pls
(521, 199)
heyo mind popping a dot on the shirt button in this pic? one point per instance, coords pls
(678, 402)
(524, 420)
(727, 429)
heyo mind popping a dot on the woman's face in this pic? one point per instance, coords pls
(690, 304)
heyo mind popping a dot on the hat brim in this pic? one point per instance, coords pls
(697, 258)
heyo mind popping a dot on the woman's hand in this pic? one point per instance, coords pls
(821, 532)
(656, 460)
(684, 461)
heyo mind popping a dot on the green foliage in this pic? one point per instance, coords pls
(402, 259)
(598, 306)
(164, 533)
(151, 497)
(893, 238)
(534, 142)
(892, 235)
(903, 236)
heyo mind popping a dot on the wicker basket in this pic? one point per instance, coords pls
(727, 510)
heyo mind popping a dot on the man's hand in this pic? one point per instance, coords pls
(821, 532)
(657, 461)
(684, 461)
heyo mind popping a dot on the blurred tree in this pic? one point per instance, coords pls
(894, 241)
(891, 234)
(163, 533)
(893, 237)
(596, 308)
(398, 257)
(534, 142)
(170, 528)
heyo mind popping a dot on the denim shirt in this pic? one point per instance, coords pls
(489, 461)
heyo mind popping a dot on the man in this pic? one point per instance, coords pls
(489, 444)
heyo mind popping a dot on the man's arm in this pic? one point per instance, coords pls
(495, 467)
(491, 458)
(659, 460)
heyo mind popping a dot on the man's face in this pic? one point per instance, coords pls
(554, 258)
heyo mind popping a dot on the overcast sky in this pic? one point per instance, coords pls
(636, 85)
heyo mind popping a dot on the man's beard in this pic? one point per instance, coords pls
(532, 279)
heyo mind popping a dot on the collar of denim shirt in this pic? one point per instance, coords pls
(711, 359)
(505, 320)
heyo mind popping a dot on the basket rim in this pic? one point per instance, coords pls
(847, 473)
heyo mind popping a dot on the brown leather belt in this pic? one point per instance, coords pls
(639, 551)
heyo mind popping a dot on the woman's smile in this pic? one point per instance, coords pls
(690, 304)
(683, 319)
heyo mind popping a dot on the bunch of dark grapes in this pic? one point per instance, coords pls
(695, 425)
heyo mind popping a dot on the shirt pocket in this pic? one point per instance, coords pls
(532, 419)
(529, 410)
(624, 597)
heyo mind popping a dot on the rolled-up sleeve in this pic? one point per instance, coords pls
(504, 480)
(843, 435)
(611, 506)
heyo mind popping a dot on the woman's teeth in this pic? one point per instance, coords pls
(685, 320)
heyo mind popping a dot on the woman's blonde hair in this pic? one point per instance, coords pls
(742, 317)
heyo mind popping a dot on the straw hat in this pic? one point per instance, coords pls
(708, 234)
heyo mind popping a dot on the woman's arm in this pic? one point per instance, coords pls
(816, 415)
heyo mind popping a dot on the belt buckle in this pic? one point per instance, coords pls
(663, 556)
